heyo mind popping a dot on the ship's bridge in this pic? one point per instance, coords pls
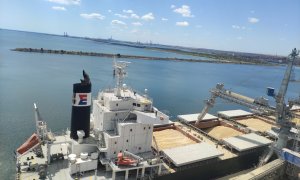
(128, 99)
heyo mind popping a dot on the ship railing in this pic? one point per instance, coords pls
(59, 133)
(140, 94)
(109, 90)
(161, 114)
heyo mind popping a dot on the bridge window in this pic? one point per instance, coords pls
(138, 105)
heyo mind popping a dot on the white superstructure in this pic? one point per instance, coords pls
(123, 120)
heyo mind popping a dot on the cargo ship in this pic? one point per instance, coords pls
(121, 135)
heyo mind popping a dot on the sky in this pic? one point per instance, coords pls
(257, 26)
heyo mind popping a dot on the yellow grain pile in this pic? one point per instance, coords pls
(296, 121)
(221, 132)
(256, 124)
(297, 112)
(170, 138)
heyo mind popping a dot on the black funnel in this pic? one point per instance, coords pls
(81, 107)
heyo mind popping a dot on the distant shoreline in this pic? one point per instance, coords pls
(82, 53)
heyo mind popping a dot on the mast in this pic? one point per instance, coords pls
(120, 73)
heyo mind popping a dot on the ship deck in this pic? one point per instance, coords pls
(59, 167)
(193, 137)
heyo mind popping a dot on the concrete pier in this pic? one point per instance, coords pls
(82, 53)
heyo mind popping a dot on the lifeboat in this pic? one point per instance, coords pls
(125, 161)
(29, 144)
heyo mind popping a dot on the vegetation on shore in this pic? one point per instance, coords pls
(221, 56)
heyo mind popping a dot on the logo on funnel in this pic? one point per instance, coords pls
(82, 99)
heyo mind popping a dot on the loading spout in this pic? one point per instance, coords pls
(260, 105)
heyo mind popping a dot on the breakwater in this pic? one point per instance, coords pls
(82, 53)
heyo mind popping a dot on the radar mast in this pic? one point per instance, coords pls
(120, 73)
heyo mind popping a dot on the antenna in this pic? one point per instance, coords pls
(120, 73)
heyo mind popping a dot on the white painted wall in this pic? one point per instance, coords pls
(83, 165)
(151, 118)
(133, 137)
